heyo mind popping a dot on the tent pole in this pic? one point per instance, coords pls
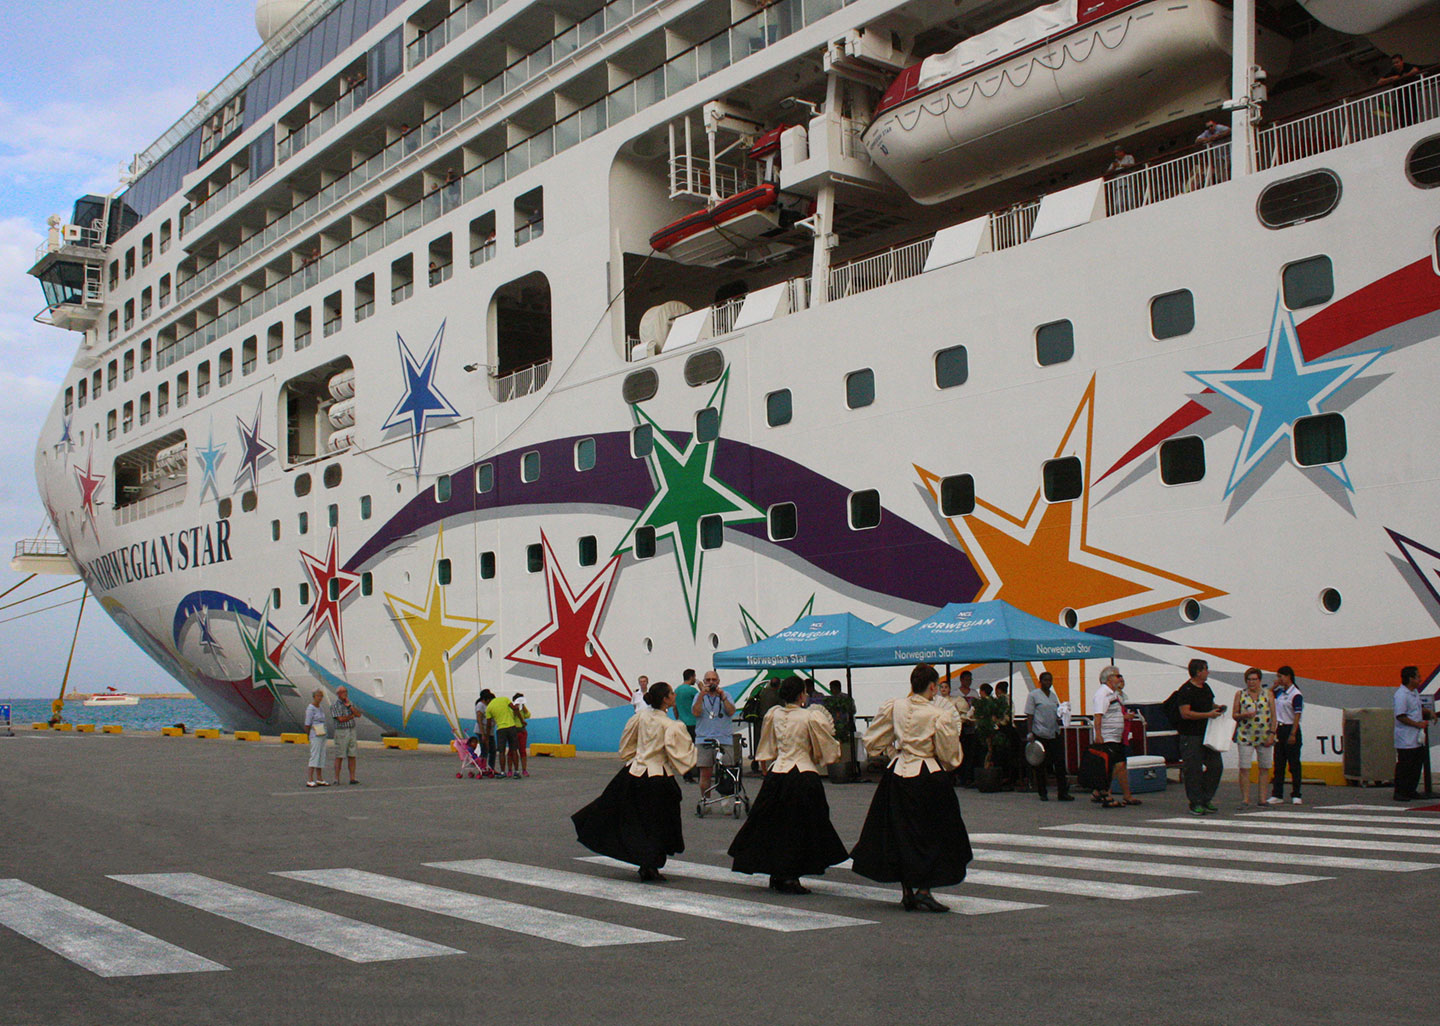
(854, 771)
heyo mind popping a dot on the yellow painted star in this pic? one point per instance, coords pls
(436, 639)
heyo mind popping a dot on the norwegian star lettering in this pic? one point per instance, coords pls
(177, 551)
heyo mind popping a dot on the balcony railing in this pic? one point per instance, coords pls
(1354, 120)
(522, 382)
(214, 202)
(1013, 227)
(321, 122)
(150, 505)
(881, 269)
(39, 547)
(1166, 179)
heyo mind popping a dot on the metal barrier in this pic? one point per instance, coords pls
(880, 269)
(1354, 120)
(1155, 183)
(522, 382)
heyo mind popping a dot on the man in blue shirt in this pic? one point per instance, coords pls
(713, 722)
(1411, 719)
(1043, 708)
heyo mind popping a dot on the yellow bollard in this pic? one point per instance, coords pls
(171, 732)
(247, 735)
(85, 728)
(206, 732)
(556, 751)
(405, 744)
(64, 726)
(112, 728)
(293, 739)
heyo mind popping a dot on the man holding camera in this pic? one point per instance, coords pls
(713, 711)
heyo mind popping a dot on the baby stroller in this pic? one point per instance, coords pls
(471, 761)
(727, 783)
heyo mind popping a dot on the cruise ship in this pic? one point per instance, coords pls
(538, 345)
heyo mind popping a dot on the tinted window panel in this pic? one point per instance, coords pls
(1182, 460)
(1054, 343)
(1064, 479)
(1172, 314)
(1308, 282)
(952, 367)
(1320, 440)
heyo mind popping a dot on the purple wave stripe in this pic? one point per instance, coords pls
(897, 558)
(1123, 632)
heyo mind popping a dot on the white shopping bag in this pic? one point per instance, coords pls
(1064, 710)
(317, 730)
(1219, 731)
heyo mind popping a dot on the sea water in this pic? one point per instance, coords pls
(149, 714)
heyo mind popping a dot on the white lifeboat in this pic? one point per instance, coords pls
(1063, 79)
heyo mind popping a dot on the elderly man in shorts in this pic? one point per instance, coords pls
(343, 715)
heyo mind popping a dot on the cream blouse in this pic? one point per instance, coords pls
(654, 743)
(915, 732)
(795, 737)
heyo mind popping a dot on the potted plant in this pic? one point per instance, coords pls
(842, 710)
(994, 741)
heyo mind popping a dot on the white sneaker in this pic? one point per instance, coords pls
(1296, 801)
(1272, 800)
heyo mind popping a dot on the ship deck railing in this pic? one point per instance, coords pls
(1363, 116)
(522, 382)
(129, 512)
(752, 34)
(39, 547)
(1167, 178)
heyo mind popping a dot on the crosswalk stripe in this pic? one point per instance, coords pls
(477, 908)
(315, 928)
(1315, 828)
(730, 910)
(1359, 820)
(1349, 844)
(1210, 874)
(90, 940)
(1370, 808)
(962, 903)
(1186, 851)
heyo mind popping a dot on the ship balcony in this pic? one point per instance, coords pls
(71, 278)
(41, 556)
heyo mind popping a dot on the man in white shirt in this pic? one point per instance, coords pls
(1042, 707)
(1411, 720)
(1289, 707)
(1110, 731)
(638, 699)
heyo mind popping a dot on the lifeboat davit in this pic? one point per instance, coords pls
(1063, 79)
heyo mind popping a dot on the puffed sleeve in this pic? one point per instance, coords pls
(880, 738)
(679, 749)
(766, 750)
(628, 739)
(823, 746)
(947, 742)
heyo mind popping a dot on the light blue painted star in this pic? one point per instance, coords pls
(210, 456)
(1281, 392)
(422, 401)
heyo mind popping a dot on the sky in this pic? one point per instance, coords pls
(86, 84)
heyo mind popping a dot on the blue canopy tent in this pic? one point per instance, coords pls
(828, 642)
(982, 632)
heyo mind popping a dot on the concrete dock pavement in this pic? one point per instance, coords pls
(155, 880)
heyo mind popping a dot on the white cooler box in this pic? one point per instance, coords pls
(1147, 773)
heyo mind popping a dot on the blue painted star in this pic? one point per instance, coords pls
(208, 644)
(210, 456)
(422, 401)
(65, 440)
(254, 450)
(1285, 389)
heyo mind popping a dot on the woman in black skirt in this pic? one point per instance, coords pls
(637, 817)
(788, 834)
(913, 833)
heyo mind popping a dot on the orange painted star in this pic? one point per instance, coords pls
(1043, 563)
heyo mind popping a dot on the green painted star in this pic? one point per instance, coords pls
(263, 671)
(686, 492)
(754, 632)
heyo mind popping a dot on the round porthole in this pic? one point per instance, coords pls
(715, 641)
(1069, 618)
(1190, 610)
(1330, 600)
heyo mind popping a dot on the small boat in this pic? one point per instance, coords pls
(112, 697)
(1060, 80)
(736, 222)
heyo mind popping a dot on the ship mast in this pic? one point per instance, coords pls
(1246, 87)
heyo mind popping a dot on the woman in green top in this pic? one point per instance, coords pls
(1254, 731)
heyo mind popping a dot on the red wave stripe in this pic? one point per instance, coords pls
(1365, 666)
(1408, 293)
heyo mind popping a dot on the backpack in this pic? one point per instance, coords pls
(1171, 706)
(1095, 769)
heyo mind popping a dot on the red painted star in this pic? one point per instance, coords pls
(324, 611)
(89, 484)
(570, 643)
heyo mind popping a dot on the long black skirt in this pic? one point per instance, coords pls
(788, 833)
(914, 834)
(635, 820)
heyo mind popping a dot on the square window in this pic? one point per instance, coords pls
(1054, 343)
(304, 593)
(952, 367)
(364, 507)
(1320, 440)
(332, 589)
(644, 542)
(1064, 479)
(1182, 460)
(585, 454)
(484, 478)
(275, 598)
(712, 531)
(442, 572)
(957, 495)
(778, 408)
(274, 530)
(442, 488)
(1172, 314)
(530, 466)
(367, 583)
(534, 558)
(781, 521)
(334, 515)
(589, 550)
(859, 388)
(249, 500)
(487, 566)
(707, 424)
(642, 441)
(304, 522)
(1308, 282)
(864, 510)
